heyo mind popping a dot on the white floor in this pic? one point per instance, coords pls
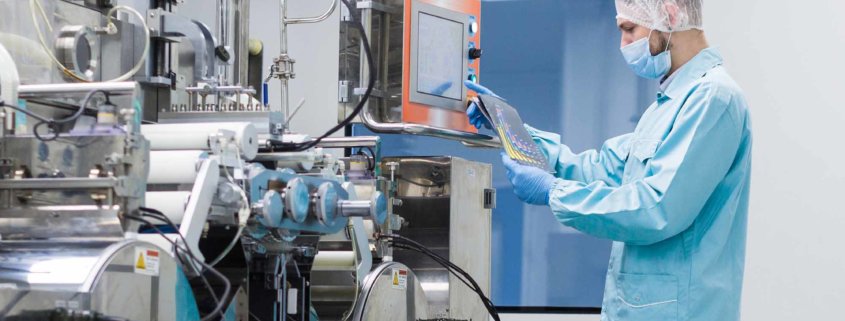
(549, 317)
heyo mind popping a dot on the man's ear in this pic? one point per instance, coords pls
(672, 11)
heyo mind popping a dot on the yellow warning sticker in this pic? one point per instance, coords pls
(147, 261)
(399, 279)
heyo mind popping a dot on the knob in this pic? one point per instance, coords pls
(475, 53)
(473, 78)
(297, 200)
(222, 53)
(473, 27)
(325, 203)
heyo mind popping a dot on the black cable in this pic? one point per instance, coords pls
(227, 285)
(454, 269)
(464, 278)
(406, 243)
(372, 83)
(163, 218)
(177, 248)
(458, 273)
(52, 124)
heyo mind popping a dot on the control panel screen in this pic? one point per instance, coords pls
(440, 60)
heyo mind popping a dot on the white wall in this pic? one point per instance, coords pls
(315, 48)
(789, 56)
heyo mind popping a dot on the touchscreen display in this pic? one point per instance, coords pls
(440, 60)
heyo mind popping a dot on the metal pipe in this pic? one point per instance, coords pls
(39, 91)
(223, 20)
(469, 139)
(283, 52)
(316, 19)
(242, 42)
(350, 142)
(283, 27)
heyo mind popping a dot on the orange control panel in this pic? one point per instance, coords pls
(442, 48)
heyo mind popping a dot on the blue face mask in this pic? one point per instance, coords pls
(639, 58)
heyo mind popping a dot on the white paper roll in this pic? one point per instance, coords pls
(172, 204)
(195, 136)
(175, 166)
(334, 260)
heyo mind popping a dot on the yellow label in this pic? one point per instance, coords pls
(141, 265)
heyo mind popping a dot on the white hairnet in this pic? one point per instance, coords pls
(654, 14)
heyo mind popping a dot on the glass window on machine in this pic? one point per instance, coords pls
(440, 65)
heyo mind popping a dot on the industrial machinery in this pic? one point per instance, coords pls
(144, 174)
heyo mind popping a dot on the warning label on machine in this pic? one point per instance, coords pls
(400, 279)
(146, 261)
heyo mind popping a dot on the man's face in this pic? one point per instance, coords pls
(632, 32)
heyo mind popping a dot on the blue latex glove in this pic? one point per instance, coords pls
(476, 117)
(531, 184)
(481, 90)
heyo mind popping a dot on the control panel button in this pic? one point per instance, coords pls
(473, 78)
(475, 53)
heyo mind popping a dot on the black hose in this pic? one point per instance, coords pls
(227, 285)
(370, 86)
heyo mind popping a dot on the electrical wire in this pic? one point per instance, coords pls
(52, 123)
(361, 104)
(402, 242)
(163, 218)
(110, 26)
(227, 285)
(243, 213)
(176, 249)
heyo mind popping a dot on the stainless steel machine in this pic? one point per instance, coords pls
(446, 204)
(144, 174)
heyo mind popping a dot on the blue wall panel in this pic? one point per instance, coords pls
(558, 62)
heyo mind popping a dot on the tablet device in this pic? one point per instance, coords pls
(516, 141)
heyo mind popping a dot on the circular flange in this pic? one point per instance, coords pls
(76, 49)
(297, 200)
(271, 209)
(326, 203)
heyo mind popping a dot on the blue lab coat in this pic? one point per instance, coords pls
(673, 195)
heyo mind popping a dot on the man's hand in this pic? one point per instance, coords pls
(531, 184)
(476, 117)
